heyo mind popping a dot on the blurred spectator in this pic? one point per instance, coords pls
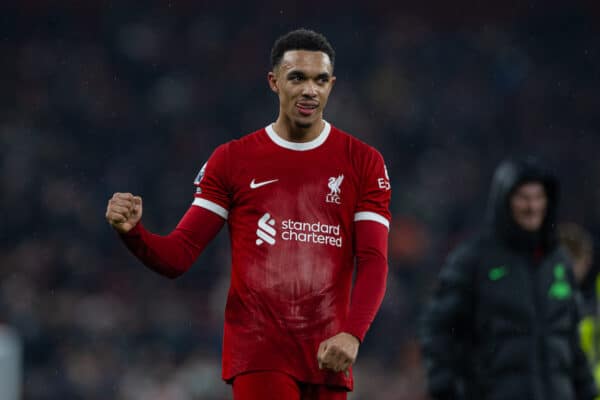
(578, 243)
(503, 322)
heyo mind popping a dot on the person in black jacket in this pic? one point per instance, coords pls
(502, 323)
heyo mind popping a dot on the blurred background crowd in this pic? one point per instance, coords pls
(105, 96)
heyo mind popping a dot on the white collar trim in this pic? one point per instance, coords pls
(299, 146)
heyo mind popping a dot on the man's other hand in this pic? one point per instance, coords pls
(124, 211)
(338, 353)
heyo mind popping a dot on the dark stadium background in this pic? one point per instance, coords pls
(104, 96)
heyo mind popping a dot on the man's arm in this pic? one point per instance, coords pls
(446, 323)
(169, 255)
(371, 277)
(371, 227)
(339, 352)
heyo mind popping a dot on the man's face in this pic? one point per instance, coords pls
(528, 206)
(302, 80)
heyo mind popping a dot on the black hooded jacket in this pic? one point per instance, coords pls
(502, 324)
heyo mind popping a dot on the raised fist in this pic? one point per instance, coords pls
(124, 211)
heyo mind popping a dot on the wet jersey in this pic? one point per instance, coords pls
(291, 209)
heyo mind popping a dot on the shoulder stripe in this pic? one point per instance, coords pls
(371, 216)
(210, 206)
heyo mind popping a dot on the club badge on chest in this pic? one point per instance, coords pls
(335, 190)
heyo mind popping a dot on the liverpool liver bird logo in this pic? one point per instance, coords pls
(335, 190)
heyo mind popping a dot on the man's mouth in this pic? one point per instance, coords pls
(306, 108)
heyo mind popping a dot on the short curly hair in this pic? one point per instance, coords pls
(300, 39)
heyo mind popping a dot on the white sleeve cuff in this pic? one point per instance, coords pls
(210, 206)
(371, 216)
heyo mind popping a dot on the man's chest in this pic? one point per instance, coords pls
(295, 185)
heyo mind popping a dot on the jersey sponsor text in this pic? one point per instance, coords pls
(316, 232)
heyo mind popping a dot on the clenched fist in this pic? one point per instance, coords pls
(124, 211)
(338, 353)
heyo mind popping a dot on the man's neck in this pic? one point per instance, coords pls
(287, 130)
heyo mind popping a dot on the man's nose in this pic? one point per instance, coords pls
(309, 89)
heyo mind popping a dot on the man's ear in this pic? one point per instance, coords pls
(272, 81)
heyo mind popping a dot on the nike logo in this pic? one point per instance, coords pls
(254, 185)
(497, 273)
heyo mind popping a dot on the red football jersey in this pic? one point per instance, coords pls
(291, 209)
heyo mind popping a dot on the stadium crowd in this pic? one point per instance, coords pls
(118, 97)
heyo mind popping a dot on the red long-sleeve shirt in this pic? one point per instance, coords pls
(300, 215)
